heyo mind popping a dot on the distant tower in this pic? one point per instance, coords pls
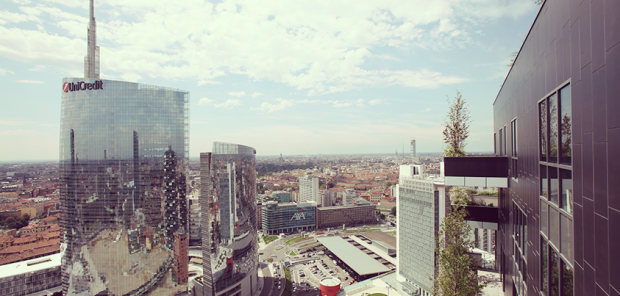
(414, 155)
(91, 60)
(281, 159)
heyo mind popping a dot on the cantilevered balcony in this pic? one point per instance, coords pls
(481, 171)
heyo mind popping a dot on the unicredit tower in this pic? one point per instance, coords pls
(124, 164)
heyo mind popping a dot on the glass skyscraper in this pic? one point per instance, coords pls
(229, 235)
(123, 164)
(124, 160)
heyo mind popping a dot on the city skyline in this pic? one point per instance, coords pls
(359, 80)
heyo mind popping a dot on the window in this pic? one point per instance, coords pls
(514, 161)
(555, 138)
(504, 140)
(566, 123)
(495, 143)
(556, 275)
(501, 152)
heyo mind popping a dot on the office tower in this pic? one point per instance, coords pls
(414, 154)
(91, 60)
(309, 189)
(123, 164)
(287, 217)
(556, 146)
(326, 198)
(421, 207)
(228, 221)
(347, 197)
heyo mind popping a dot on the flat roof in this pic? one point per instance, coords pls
(380, 236)
(36, 264)
(359, 261)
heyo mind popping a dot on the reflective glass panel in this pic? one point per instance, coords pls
(544, 218)
(542, 123)
(567, 280)
(567, 237)
(567, 190)
(554, 188)
(228, 207)
(553, 128)
(124, 165)
(543, 181)
(543, 265)
(554, 280)
(566, 126)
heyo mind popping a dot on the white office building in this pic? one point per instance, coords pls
(347, 197)
(421, 206)
(309, 189)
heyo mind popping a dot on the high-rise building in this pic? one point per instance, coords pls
(327, 198)
(421, 206)
(347, 197)
(557, 138)
(309, 189)
(228, 221)
(123, 164)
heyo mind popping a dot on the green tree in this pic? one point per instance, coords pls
(459, 196)
(456, 271)
(456, 126)
(393, 211)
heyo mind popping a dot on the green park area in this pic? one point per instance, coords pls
(296, 240)
(269, 238)
(361, 230)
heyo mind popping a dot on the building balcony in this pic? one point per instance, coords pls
(480, 171)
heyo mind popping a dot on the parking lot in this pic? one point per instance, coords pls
(307, 276)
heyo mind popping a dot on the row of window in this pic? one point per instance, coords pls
(556, 185)
(557, 275)
(555, 127)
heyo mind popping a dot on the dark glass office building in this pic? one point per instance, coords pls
(228, 221)
(557, 123)
(124, 163)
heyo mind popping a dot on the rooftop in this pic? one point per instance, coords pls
(30, 265)
(352, 256)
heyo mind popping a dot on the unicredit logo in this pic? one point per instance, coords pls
(70, 86)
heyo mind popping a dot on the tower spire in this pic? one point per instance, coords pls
(91, 60)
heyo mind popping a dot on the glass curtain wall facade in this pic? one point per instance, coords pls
(279, 218)
(123, 163)
(228, 222)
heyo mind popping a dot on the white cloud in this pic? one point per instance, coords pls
(339, 104)
(256, 94)
(4, 71)
(163, 40)
(376, 101)
(12, 17)
(281, 105)
(29, 81)
(236, 94)
(205, 101)
(360, 102)
(229, 104)
(203, 82)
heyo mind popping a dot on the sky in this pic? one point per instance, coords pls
(290, 77)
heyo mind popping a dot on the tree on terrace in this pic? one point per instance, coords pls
(456, 271)
(456, 126)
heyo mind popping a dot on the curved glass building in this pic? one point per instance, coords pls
(229, 235)
(124, 161)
